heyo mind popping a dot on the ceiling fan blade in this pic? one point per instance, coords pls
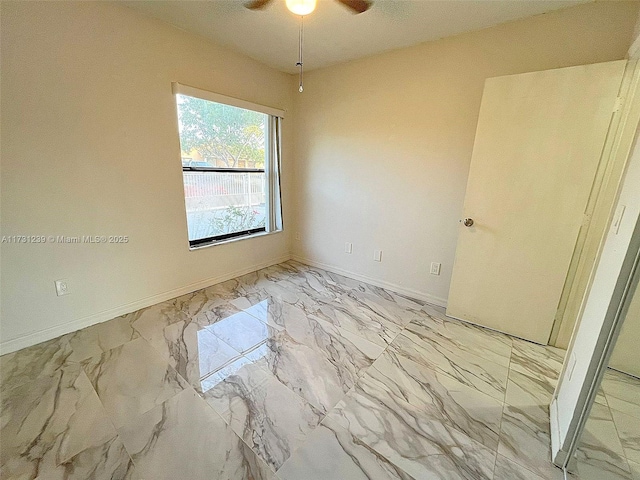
(257, 4)
(358, 6)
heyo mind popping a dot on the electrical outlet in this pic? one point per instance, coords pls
(435, 268)
(62, 287)
(377, 255)
(348, 247)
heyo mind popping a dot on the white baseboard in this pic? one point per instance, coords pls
(441, 302)
(68, 327)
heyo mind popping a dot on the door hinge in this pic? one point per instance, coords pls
(617, 105)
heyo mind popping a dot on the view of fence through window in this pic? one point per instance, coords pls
(223, 160)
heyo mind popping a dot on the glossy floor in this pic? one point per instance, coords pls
(610, 445)
(291, 372)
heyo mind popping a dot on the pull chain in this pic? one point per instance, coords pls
(299, 64)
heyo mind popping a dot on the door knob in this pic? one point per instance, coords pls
(467, 222)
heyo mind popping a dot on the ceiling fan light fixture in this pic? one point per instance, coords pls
(301, 7)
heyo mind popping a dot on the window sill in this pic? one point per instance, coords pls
(236, 239)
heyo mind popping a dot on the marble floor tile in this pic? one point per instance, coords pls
(184, 438)
(94, 340)
(255, 287)
(315, 283)
(310, 296)
(273, 311)
(201, 310)
(235, 380)
(228, 290)
(628, 429)
(152, 320)
(204, 303)
(346, 312)
(458, 336)
(588, 471)
(542, 362)
(194, 352)
(396, 381)
(508, 470)
(622, 392)
(419, 446)
(109, 461)
(300, 370)
(272, 420)
(529, 394)
(340, 345)
(242, 332)
(132, 379)
(332, 453)
(635, 470)
(48, 421)
(41, 360)
(525, 439)
(305, 370)
(476, 372)
(346, 284)
(600, 444)
(394, 308)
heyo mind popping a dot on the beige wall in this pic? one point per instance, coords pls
(626, 356)
(90, 147)
(383, 144)
(634, 49)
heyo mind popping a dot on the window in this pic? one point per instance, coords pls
(230, 166)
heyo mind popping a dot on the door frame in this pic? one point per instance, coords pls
(626, 284)
(599, 210)
(622, 284)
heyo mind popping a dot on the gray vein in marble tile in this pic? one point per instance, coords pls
(419, 446)
(542, 362)
(348, 313)
(272, 420)
(132, 379)
(508, 470)
(102, 337)
(396, 381)
(628, 429)
(476, 372)
(305, 370)
(184, 438)
(525, 439)
(530, 394)
(48, 421)
(386, 306)
(332, 453)
(459, 337)
(599, 443)
(43, 359)
(107, 461)
(194, 352)
(235, 380)
(622, 392)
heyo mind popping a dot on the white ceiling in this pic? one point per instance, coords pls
(332, 33)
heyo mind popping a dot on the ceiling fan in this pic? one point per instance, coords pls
(304, 7)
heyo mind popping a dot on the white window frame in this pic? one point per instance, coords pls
(273, 133)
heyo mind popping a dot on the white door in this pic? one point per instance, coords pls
(536, 151)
